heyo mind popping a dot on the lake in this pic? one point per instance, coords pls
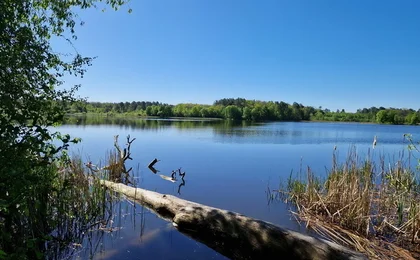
(228, 165)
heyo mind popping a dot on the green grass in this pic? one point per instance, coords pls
(63, 202)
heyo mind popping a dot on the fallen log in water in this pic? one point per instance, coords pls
(231, 234)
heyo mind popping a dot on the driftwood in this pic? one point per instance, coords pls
(167, 178)
(234, 235)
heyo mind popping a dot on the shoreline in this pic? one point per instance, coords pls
(174, 118)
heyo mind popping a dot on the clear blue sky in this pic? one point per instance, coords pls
(336, 54)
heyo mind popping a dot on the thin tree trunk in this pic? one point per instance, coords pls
(231, 234)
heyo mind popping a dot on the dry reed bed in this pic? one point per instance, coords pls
(371, 207)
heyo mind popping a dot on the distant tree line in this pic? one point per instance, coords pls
(251, 110)
(381, 115)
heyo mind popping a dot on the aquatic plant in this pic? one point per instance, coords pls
(372, 207)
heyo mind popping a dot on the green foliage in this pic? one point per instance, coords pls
(397, 116)
(412, 118)
(374, 115)
(247, 114)
(381, 117)
(232, 112)
(226, 108)
(254, 110)
(296, 188)
(32, 101)
(239, 102)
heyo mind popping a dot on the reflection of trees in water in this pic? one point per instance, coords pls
(244, 131)
(236, 131)
(87, 235)
(80, 232)
(260, 135)
(153, 124)
(294, 133)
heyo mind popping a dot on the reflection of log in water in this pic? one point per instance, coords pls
(231, 234)
(147, 237)
(153, 169)
(151, 166)
(152, 163)
(180, 185)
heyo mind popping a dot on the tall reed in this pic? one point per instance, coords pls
(371, 206)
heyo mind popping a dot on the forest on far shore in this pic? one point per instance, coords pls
(251, 110)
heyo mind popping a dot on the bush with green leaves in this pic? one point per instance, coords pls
(32, 101)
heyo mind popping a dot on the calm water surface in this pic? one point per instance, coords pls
(227, 165)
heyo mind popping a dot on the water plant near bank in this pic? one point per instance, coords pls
(56, 220)
(372, 206)
(34, 190)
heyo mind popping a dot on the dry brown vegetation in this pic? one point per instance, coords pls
(371, 207)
